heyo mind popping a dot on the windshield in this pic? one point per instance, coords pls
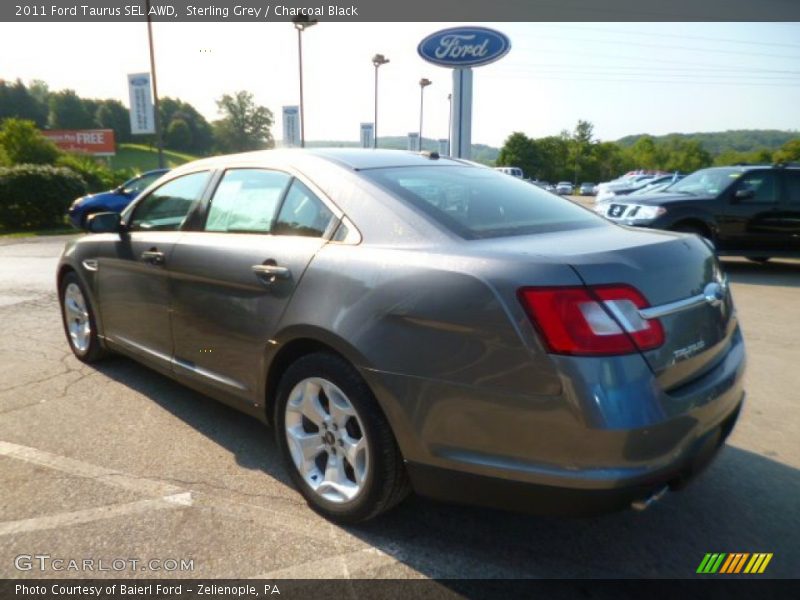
(140, 182)
(480, 203)
(706, 182)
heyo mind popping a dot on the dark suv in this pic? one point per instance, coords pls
(751, 210)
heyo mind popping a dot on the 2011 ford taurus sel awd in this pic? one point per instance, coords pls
(407, 321)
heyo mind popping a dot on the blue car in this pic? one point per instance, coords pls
(113, 201)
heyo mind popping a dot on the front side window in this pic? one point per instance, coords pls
(481, 203)
(166, 208)
(246, 200)
(302, 213)
(761, 184)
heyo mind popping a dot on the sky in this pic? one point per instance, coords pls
(625, 78)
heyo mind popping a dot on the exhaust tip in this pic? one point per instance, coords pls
(644, 503)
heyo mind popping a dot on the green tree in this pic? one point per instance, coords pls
(520, 151)
(24, 144)
(789, 152)
(17, 102)
(68, 111)
(244, 125)
(554, 152)
(112, 114)
(202, 137)
(580, 146)
(179, 135)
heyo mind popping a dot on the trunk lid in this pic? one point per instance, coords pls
(673, 272)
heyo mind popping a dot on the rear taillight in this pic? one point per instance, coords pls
(600, 320)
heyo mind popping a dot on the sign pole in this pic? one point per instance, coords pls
(156, 116)
(461, 132)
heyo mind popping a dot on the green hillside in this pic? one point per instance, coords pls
(740, 140)
(141, 157)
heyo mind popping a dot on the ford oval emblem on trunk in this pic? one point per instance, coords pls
(464, 47)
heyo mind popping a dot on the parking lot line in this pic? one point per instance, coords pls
(141, 485)
(95, 514)
(340, 566)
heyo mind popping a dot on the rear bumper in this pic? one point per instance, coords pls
(468, 488)
(610, 436)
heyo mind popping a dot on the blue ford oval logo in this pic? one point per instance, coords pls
(464, 47)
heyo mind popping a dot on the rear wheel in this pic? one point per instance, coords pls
(336, 442)
(79, 321)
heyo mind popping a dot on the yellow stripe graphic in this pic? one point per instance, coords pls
(759, 558)
(765, 563)
(749, 567)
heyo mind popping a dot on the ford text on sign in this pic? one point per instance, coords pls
(464, 47)
(97, 142)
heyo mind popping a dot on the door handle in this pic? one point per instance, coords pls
(270, 273)
(153, 256)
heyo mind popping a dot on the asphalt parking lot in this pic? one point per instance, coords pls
(118, 462)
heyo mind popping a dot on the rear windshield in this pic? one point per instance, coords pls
(482, 203)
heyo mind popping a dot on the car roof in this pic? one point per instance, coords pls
(355, 159)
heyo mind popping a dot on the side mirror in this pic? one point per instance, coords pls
(104, 222)
(745, 194)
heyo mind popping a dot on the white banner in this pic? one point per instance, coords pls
(413, 141)
(367, 135)
(291, 126)
(142, 116)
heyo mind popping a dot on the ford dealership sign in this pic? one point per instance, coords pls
(464, 47)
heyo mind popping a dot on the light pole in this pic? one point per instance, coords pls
(449, 123)
(157, 115)
(423, 83)
(377, 61)
(301, 23)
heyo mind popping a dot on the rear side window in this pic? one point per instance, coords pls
(481, 203)
(793, 187)
(166, 208)
(246, 200)
(302, 213)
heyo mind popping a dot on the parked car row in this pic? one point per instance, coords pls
(751, 211)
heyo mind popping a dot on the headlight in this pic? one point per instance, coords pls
(646, 213)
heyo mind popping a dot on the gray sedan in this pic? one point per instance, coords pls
(406, 321)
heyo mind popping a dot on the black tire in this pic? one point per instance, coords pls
(386, 483)
(94, 351)
(758, 259)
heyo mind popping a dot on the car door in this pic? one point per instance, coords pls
(232, 280)
(750, 213)
(133, 277)
(789, 210)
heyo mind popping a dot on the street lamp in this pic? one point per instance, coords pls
(301, 23)
(377, 61)
(423, 83)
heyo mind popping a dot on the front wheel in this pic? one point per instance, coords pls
(79, 321)
(335, 441)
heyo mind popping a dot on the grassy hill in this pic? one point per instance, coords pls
(141, 157)
(740, 140)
